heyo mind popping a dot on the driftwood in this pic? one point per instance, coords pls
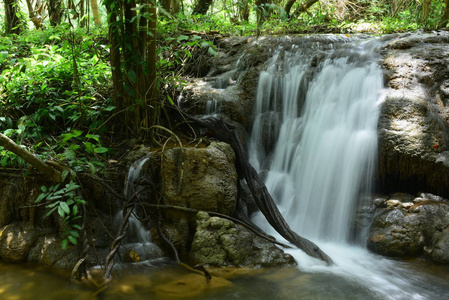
(225, 132)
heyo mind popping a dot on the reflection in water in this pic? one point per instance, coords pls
(144, 281)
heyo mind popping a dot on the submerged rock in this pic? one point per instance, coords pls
(220, 242)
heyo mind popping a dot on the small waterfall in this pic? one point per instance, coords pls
(138, 238)
(212, 108)
(315, 139)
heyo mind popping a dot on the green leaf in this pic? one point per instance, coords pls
(74, 233)
(101, 150)
(182, 38)
(132, 76)
(40, 197)
(72, 239)
(64, 244)
(65, 207)
(212, 51)
(51, 211)
(61, 212)
(44, 188)
(64, 175)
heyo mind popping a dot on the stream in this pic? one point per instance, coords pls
(315, 140)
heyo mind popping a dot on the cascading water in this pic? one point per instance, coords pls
(315, 138)
(138, 238)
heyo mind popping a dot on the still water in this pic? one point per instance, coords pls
(19, 281)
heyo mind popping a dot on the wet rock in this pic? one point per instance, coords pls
(220, 242)
(394, 233)
(409, 229)
(16, 240)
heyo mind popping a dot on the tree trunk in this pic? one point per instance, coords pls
(243, 9)
(201, 7)
(166, 5)
(83, 14)
(34, 12)
(304, 7)
(445, 18)
(174, 7)
(425, 10)
(42, 167)
(55, 12)
(288, 6)
(13, 24)
(95, 12)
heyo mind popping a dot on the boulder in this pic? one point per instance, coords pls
(410, 229)
(220, 242)
(16, 240)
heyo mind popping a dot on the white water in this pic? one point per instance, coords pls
(138, 238)
(324, 157)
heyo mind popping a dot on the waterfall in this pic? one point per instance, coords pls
(314, 138)
(138, 238)
(324, 148)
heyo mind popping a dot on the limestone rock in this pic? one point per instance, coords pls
(440, 252)
(200, 178)
(413, 123)
(394, 233)
(220, 242)
(16, 240)
(412, 229)
(48, 252)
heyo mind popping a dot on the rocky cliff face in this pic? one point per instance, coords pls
(413, 124)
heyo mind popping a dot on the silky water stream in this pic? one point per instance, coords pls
(314, 138)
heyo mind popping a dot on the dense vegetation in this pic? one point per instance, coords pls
(77, 78)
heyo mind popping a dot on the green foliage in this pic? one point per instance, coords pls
(53, 84)
(65, 201)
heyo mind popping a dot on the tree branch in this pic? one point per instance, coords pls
(41, 166)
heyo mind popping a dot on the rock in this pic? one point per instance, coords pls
(220, 242)
(200, 178)
(396, 234)
(413, 124)
(16, 240)
(48, 252)
(393, 203)
(440, 252)
(412, 229)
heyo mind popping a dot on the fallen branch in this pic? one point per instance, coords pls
(27, 156)
(225, 132)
